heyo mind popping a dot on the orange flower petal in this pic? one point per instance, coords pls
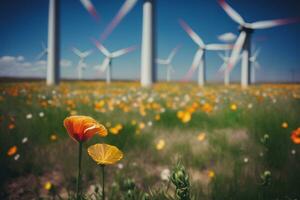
(82, 128)
(12, 151)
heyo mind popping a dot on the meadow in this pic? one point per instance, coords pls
(232, 143)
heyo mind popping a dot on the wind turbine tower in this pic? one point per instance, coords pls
(107, 62)
(148, 67)
(226, 38)
(53, 44)
(244, 39)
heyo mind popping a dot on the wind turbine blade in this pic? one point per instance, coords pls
(102, 48)
(172, 69)
(231, 12)
(256, 53)
(77, 52)
(161, 62)
(257, 65)
(90, 8)
(235, 54)
(173, 53)
(87, 53)
(41, 55)
(272, 23)
(222, 56)
(105, 64)
(122, 51)
(191, 33)
(126, 7)
(44, 46)
(195, 64)
(222, 68)
(216, 47)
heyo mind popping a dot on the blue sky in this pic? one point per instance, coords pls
(24, 26)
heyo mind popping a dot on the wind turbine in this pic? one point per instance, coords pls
(244, 39)
(81, 64)
(53, 71)
(168, 63)
(254, 65)
(43, 52)
(226, 38)
(107, 62)
(148, 65)
(199, 58)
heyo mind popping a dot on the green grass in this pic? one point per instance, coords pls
(231, 137)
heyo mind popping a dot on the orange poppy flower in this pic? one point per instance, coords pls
(82, 128)
(12, 151)
(295, 136)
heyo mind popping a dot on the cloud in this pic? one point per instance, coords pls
(18, 66)
(65, 63)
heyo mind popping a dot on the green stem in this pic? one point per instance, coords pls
(168, 186)
(78, 191)
(103, 182)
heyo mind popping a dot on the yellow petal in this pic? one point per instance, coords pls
(105, 154)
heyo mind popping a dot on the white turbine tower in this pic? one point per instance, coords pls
(226, 38)
(254, 65)
(107, 62)
(222, 69)
(81, 64)
(199, 58)
(244, 40)
(53, 44)
(168, 63)
(53, 74)
(148, 67)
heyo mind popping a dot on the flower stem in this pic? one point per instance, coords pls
(78, 190)
(103, 182)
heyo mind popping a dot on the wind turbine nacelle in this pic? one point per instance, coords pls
(245, 29)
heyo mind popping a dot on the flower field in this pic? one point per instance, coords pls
(173, 141)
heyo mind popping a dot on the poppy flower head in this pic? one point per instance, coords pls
(295, 136)
(82, 128)
(105, 154)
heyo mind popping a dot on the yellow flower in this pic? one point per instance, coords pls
(116, 129)
(105, 154)
(119, 126)
(157, 117)
(233, 107)
(12, 150)
(142, 125)
(284, 125)
(211, 174)
(207, 108)
(48, 185)
(160, 144)
(201, 137)
(180, 114)
(99, 104)
(133, 122)
(53, 137)
(186, 117)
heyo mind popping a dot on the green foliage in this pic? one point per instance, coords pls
(181, 181)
